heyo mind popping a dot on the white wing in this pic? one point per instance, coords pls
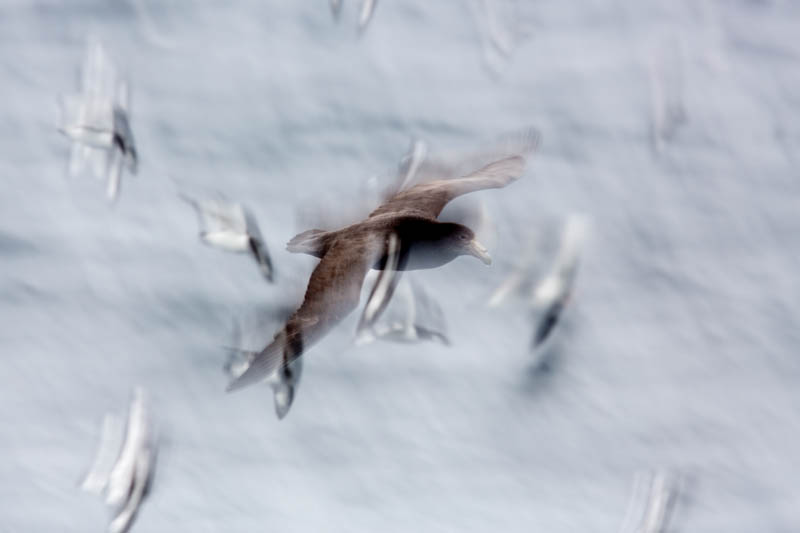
(218, 215)
(114, 173)
(558, 283)
(652, 502)
(141, 478)
(110, 440)
(455, 164)
(122, 475)
(88, 118)
(99, 87)
(367, 9)
(225, 215)
(384, 288)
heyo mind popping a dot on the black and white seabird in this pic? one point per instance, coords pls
(98, 122)
(127, 480)
(553, 292)
(346, 255)
(232, 227)
(411, 316)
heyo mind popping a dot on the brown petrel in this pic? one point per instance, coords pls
(348, 254)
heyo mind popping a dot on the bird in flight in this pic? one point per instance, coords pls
(232, 227)
(408, 221)
(98, 122)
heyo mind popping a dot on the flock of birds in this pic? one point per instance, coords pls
(402, 233)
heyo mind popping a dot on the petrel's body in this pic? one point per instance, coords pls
(348, 254)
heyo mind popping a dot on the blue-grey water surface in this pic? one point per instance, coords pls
(680, 348)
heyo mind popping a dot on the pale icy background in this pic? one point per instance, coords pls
(681, 349)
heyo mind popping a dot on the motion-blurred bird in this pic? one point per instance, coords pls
(232, 227)
(411, 316)
(348, 254)
(127, 481)
(364, 16)
(367, 9)
(97, 122)
(653, 501)
(553, 292)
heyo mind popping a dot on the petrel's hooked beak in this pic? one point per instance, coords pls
(477, 249)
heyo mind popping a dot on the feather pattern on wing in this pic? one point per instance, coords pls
(333, 292)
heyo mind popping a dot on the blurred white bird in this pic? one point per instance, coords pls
(127, 482)
(652, 502)
(364, 16)
(553, 292)
(110, 443)
(367, 9)
(411, 316)
(97, 121)
(232, 227)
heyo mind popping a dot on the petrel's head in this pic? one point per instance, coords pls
(461, 240)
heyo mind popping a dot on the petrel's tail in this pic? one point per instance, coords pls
(313, 242)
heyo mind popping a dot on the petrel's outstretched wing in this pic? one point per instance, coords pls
(428, 199)
(332, 294)
(456, 163)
